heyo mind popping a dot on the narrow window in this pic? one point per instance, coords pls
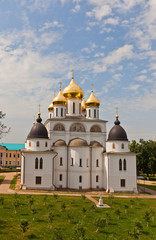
(123, 182)
(73, 107)
(87, 162)
(10, 162)
(6, 155)
(10, 155)
(72, 162)
(97, 178)
(61, 161)
(18, 163)
(113, 145)
(80, 163)
(37, 144)
(61, 112)
(124, 164)
(46, 144)
(79, 108)
(41, 163)
(120, 165)
(80, 179)
(122, 146)
(60, 177)
(56, 112)
(1, 154)
(29, 143)
(6, 162)
(18, 155)
(50, 115)
(94, 113)
(97, 162)
(36, 163)
(14, 162)
(14, 155)
(89, 113)
(38, 180)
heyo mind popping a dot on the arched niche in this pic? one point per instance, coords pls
(77, 127)
(59, 127)
(95, 128)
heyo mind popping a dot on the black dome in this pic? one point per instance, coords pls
(117, 132)
(38, 130)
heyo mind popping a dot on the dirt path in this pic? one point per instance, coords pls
(144, 189)
(4, 187)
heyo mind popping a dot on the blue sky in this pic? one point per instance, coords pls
(110, 43)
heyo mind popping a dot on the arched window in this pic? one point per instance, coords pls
(29, 143)
(124, 164)
(120, 165)
(41, 163)
(94, 113)
(50, 115)
(113, 145)
(61, 112)
(79, 108)
(80, 162)
(77, 127)
(59, 127)
(56, 112)
(46, 144)
(73, 107)
(122, 146)
(61, 161)
(60, 177)
(97, 162)
(97, 178)
(80, 179)
(95, 128)
(36, 163)
(89, 113)
(37, 144)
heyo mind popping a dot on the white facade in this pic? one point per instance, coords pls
(75, 153)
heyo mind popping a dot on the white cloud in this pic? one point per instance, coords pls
(114, 57)
(76, 9)
(133, 87)
(111, 21)
(100, 11)
(53, 24)
(141, 78)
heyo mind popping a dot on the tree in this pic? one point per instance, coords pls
(3, 128)
(147, 217)
(146, 157)
(51, 217)
(100, 223)
(58, 234)
(118, 212)
(34, 211)
(24, 226)
(79, 230)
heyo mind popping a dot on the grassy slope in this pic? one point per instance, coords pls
(39, 229)
(153, 187)
(1, 178)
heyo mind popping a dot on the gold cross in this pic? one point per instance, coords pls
(34, 119)
(117, 112)
(92, 86)
(72, 73)
(60, 85)
(39, 109)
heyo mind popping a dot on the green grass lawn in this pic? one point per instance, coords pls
(67, 213)
(153, 187)
(13, 182)
(1, 178)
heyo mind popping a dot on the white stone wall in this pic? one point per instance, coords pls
(62, 153)
(30, 173)
(92, 113)
(70, 107)
(115, 175)
(118, 146)
(57, 111)
(31, 144)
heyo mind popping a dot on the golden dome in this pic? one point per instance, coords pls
(73, 90)
(59, 99)
(83, 106)
(51, 107)
(92, 101)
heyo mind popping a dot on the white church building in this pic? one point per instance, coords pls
(71, 150)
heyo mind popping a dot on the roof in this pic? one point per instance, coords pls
(117, 133)
(13, 146)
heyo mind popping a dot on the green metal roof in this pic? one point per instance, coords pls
(13, 146)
